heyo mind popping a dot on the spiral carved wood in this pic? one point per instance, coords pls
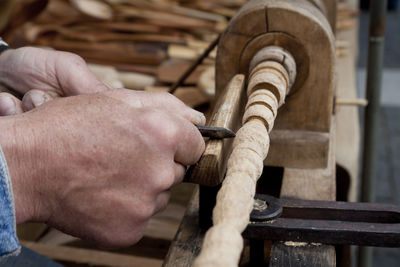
(268, 86)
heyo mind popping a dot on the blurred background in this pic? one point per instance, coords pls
(147, 45)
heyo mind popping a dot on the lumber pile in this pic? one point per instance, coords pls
(156, 40)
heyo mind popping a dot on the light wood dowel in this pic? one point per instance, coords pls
(223, 243)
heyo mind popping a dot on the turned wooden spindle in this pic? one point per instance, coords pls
(268, 84)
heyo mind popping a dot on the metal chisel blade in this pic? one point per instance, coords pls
(215, 132)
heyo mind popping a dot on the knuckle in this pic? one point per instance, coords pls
(163, 127)
(144, 212)
(163, 180)
(166, 95)
(136, 211)
(115, 240)
(172, 134)
(74, 58)
(171, 99)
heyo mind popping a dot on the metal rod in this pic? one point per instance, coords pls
(215, 132)
(371, 121)
(194, 65)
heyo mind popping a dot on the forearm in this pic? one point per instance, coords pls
(18, 158)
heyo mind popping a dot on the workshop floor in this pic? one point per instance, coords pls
(388, 176)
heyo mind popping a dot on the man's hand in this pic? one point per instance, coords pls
(99, 166)
(41, 75)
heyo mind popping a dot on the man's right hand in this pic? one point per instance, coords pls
(99, 166)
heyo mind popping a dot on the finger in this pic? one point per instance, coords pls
(164, 101)
(180, 171)
(34, 98)
(190, 146)
(9, 105)
(175, 106)
(162, 201)
(74, 76)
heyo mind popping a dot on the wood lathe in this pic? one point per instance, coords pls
(275, 87)
(305, 39)
(275, 69)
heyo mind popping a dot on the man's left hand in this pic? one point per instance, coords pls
(40, 75)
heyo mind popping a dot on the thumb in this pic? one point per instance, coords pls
(74, 76)
(9, 105)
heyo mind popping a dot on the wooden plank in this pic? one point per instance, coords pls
(308, 107)
(347, 123)
(187, 243)
(313, 184)
(171, 70)
(31, 231)
(163, 19)
(211, 167)
(120, 53)
(179, 10)
(88, 256)
(307, 149)
(165, 224)
(305, 255)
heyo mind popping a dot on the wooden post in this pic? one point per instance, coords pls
(312, 184)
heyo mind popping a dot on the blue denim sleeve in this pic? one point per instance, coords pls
(9, 244)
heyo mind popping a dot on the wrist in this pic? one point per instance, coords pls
(18, 154)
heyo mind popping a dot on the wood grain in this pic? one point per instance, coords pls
(312, 184)
(187, 242)
(309, 105)
(293, 18)
(302, 255)
(171, 70)
(307, 150)
(347, 123)
(211, 167)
